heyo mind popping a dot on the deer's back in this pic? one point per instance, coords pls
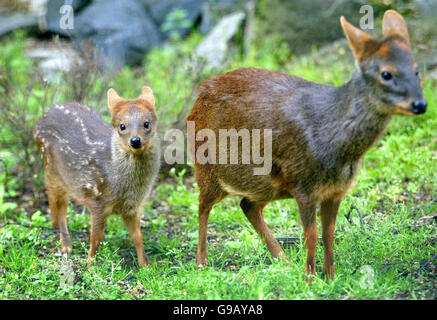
(259, 98)
(75, 143)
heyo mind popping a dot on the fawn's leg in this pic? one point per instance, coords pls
(58, 203)
(204, 210)
(307, 212)
(254, 213)
(132, 223)
(98, 222)
(328, 213)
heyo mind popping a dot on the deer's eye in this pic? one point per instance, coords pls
(385, 75)
(417, 73)
(147, 125)
(122, 127)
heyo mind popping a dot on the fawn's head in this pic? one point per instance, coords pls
(387, 66)
(134, 120)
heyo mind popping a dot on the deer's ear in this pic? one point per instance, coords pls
(394, 24)
(358, 40)
(147, 94)
(113, 98)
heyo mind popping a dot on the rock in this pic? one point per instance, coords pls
(53, 14)
(214, 47)
(17, 21)
(212, 11)
(53, 58)
(121, 29)
(304, 24)
(160, 9)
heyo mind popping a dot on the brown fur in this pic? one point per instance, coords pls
(320, 135)
(94, 164)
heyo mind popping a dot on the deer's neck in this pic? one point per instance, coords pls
(355, 123)
(129, 171)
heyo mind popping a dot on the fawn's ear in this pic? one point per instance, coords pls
(358, 40)
(394, 24)
(113, 98)
(147, 94)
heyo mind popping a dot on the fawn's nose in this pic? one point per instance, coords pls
(135, 142)
(419, 106)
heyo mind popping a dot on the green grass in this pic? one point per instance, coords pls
(397, 183)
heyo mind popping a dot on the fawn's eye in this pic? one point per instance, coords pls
(147, 125)
(122, 127)
(386, 75)
(417, 73)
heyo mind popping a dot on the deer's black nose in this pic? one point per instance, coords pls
(135, 142)
(419, 106)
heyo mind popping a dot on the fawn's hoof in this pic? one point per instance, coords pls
(89, 262)
(200, 263)
(201, 259)
(144, 264)
(66, 249)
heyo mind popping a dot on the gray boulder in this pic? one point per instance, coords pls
(121, 29)
(160, 9)
(213, 11)
(15, 21)
(214, 48)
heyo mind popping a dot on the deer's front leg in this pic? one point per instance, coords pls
(132, 223)
(307, 211)
(328, 214)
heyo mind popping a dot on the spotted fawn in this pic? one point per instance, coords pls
(108, 169)
(320, 134)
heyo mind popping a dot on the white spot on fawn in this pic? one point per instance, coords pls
(96, 191)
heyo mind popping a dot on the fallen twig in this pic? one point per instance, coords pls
(354, 207)
(426, 208)
(388, 266)
(423, 221)
(428, 262)
(290, 241)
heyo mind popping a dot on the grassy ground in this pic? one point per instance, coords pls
(390, 256)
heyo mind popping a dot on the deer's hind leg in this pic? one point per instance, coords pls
(98, 223)
(58, 202)
(254, 213)
(210, 194)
